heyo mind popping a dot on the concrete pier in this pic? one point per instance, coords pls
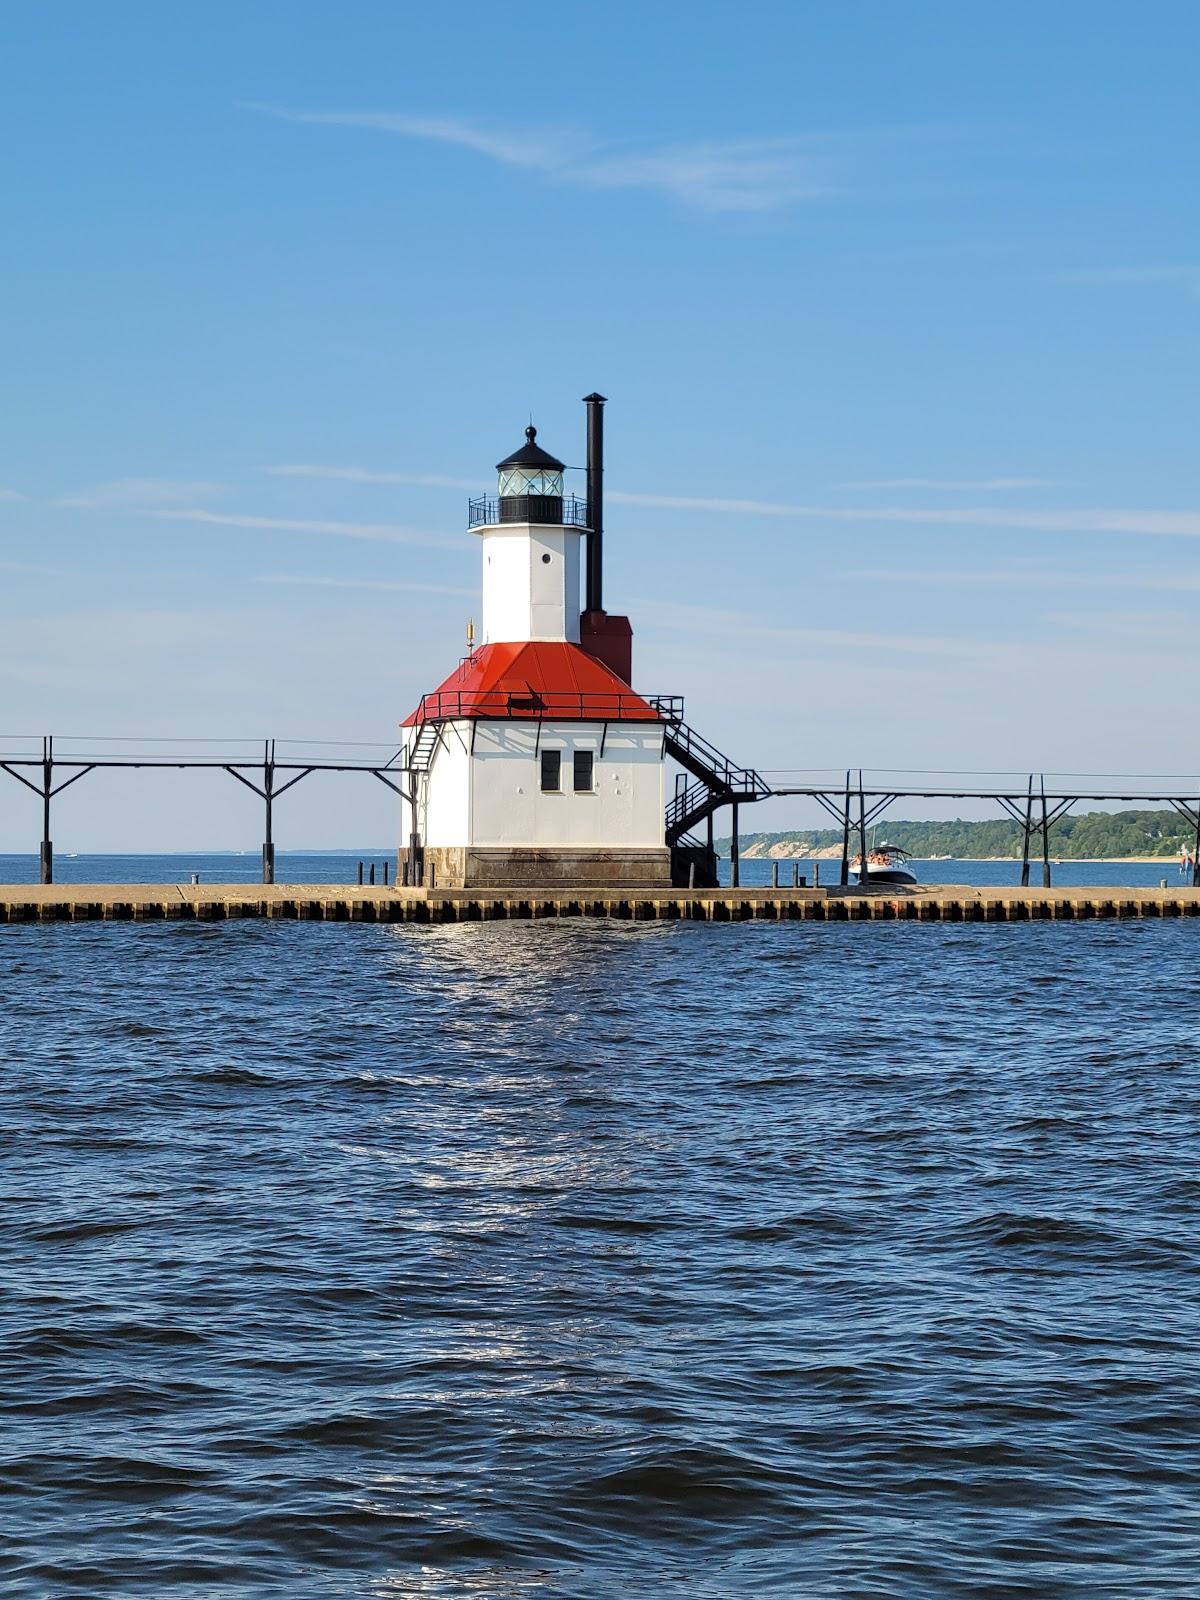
(335, 903)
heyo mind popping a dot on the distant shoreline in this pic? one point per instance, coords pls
(1064, 861)
(1034, 859)
(1135, 837)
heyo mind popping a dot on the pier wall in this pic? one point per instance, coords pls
(24, 903)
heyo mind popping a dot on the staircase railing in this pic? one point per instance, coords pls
(686, 807)
(719, 781)
(421, 754)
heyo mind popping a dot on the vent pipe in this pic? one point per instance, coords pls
(595, 496)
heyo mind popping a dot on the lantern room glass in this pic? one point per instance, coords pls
(516, 481)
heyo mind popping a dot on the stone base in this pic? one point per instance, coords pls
(505, 867)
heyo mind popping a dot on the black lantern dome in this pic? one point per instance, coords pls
(531, 483)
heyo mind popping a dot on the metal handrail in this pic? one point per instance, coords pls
(452, 705)
(698, 800)
(718, 781)
(484, 512)
(668, 706)
(721, 771)
(682, 803)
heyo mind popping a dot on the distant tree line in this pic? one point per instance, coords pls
(1090, 834)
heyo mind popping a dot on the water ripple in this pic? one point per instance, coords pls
(575, 1260)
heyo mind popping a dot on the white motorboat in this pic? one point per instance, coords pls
(886, 863)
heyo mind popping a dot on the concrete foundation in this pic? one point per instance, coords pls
(502, 867)
(324, 902)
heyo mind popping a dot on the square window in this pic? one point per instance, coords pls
(584, 761)
(551, 771)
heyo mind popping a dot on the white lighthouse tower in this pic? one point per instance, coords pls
(535, 762)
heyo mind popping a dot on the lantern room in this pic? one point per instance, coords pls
(531, 483)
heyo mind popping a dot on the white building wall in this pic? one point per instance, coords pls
(625, 806)
(526, 595)
(443, 794)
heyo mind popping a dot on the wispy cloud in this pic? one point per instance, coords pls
(368, 583)
(743, 175)
(710, 620)
(382, 532)
(1082, 520)
(1099, 519)
(138, 492)
(10, 494)
(1132, 633)
(1129, 626)
(1032, 578)
(711, 175)
(961, 485)
(543, 148)
(34, 571)
(1180, 276)
(362, 475)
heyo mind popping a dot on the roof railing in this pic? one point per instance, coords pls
(453, 705)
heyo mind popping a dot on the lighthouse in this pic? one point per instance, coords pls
(536, 762)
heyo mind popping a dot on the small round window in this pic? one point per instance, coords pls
(546, 559)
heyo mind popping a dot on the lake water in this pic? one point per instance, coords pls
(587, 1259)
(212, 866)
(987, 874)
(341, 866)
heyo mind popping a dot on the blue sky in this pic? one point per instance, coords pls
(896, 307)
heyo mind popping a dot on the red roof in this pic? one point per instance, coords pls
(540, 678)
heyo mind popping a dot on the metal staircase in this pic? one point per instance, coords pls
(421, 754)
(717, 782)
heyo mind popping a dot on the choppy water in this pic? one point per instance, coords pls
(576, 1259)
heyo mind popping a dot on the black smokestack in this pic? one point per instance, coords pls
(595, 495)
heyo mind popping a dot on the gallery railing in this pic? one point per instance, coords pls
(451, 705)
(489, 511)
